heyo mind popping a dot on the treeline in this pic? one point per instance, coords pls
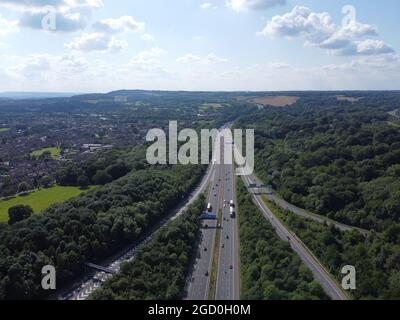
(339, 159)
(159, 269)
(88, 228)
(270, 270)
(103, 168)
(375, 256)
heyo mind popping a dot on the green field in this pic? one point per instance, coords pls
(4, 130)
(55, 152)
(39, 200)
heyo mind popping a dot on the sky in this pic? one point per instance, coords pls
(217, 45)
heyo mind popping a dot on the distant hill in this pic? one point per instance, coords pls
(34, 95)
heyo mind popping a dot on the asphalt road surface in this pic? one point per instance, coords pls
(199, 280)
(327, 281)
(228, 277)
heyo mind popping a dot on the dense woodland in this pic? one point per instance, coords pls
(103, 168)
(159, 269)
(375, 256)
(337, 158)
(88, 228)
(270, 270)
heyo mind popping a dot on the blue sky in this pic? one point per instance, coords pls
(104, 45)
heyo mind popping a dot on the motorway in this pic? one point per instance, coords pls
(227, 283)
(228, 277)
(199, 283)
(327, 281)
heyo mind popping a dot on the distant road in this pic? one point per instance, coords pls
(272, 196)
(327, 281)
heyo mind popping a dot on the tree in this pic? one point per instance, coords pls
(46, 182)
(83, 181)
(117, 170)
(19, 213)
(68, 176)
(101, 178)
(45, 156)
(23, 187)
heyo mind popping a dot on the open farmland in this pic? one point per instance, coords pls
(277, 101)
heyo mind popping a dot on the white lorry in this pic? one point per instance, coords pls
(232, 212)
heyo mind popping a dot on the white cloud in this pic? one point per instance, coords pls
(244, 5)
(199, 38)
(96, 42)
(150, 57)
(318, 30)
(43, 68)
(365, 47)
(118, 25)
(278, 65)
(147, 70)
(7, 26)
(211, 58)
(189, 58)
(300, 22)
(208, 5)
(147, 37)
